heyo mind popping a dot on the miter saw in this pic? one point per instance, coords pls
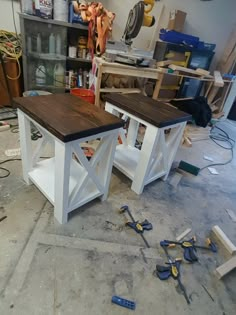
(121, 51)
(138, 17)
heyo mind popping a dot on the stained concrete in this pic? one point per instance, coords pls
(47, 268)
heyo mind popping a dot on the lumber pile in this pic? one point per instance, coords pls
(217, 94)
(194, 133)
(228, 266)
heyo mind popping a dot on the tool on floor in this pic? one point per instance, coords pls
(192, 169)
(123, 302)
(190, 248)
(138, 227)
(173, 270)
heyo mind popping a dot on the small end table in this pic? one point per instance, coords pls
(68, 180)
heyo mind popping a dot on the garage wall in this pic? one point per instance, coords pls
(6, 18)
(212, 20)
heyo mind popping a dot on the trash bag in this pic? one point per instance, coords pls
(198, 108)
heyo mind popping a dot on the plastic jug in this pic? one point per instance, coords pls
(40, 75)
(52, 44)
(58, 75)
(39, 44)
(58, 44)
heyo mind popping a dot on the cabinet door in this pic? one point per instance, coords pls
(45, 47)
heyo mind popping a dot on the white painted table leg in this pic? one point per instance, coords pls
(132, 132)
(172, 147)
(105, 165)
(63, 155)
(146, 155)
(26, 145)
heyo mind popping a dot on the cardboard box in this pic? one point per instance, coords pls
(177, 20)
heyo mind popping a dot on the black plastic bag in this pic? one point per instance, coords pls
(198, 108)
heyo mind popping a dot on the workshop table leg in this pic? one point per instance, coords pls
(98, 86)
(158, 86)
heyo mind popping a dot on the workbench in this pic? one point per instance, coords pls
(68, 179)
(164, 130)
(120, 69)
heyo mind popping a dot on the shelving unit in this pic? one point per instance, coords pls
(31, 26)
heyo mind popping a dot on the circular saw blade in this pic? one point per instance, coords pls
(134, 22)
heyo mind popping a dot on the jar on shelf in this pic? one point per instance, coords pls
(82, 47)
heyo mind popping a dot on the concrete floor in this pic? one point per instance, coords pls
(46, 268)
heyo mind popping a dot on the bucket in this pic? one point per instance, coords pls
(85, 94)
(35, 93)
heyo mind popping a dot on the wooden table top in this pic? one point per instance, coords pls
(156, 113)
(66, 116)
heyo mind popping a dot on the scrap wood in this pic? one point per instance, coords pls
(218, 115)
(196, 133)
(182, 235)
(231, 45)
(226, 268)
(186, 141)
(175, 179)
(202, 71)
(164, 63)
(231, 248)
(218, 79)
(229, 54)
(187, 70)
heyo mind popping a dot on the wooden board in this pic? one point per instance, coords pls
(226, 268)
(182, 235)
(224, 239)
(154, 112)
(218, 79)
(187, 70)
(202, 71)
(66, 116)
(164, 63)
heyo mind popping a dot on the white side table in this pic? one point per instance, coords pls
(68, 180)
(159, 147)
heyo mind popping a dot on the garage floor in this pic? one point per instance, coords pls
(47, 268)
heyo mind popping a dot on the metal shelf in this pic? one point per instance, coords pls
(79, 59)
(46, 56)
(55, 22)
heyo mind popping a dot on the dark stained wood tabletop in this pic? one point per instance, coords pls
(156, 113)
(66, 116)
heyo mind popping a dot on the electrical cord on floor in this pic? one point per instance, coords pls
(9, 160)
(221, 137)
(5, 169)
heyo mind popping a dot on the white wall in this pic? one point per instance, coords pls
(212, 20)
(6, 16)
